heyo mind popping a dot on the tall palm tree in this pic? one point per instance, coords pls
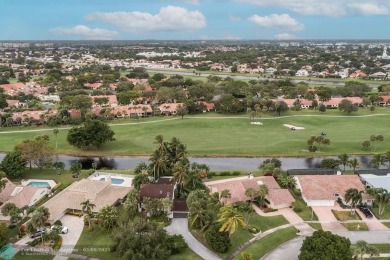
(386, 159)
(344, 159)
(224, 195)
(139, 179)
(377, 160)
(354, 163)
(87, 207)
(230, 219)
(158, 163)
(251, 193)
(362, 247)
(200, 216)
(381, 197)
(55, 132)
(180, 173)
(353, 196)
(262, 193)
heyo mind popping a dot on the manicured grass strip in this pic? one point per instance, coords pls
(232, 136)
(262, 246)
(307, 214)
(386, 213)
(346, 215)
(186, 255)
(383, 248)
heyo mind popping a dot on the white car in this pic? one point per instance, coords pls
(60, 229)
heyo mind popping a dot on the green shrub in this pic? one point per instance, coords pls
(177, 244)
(224, 173)
(298, 206)
(219, 241)
(58, 223)
(297, 192)
(236, 173)
(312, 148)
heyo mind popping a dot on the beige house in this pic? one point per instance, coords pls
(276, 198)
(324, 190)
(100, 193)
(20, 195)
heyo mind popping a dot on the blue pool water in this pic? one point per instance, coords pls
(39, 184)
(114, 180)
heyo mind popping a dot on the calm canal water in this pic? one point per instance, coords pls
(216, 164)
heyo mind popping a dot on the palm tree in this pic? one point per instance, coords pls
(108, 217)
(377, 160)
(200, 216)
(224, 195)
(344, 159)
(158, 163)
(386, 159)
(251, 193)
(262, 193)
(55, 132)
(139, 179)
(362, 247)
(354, 163)
(230, 219)
(353, 196)
(87, 207)
(180, 173)
(381, 197)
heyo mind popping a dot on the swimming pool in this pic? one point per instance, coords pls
(114, 180)
(39, 184)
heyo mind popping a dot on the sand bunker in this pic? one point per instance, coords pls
(293, 127)
(256, 123)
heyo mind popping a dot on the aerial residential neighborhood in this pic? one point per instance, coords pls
(193, 129)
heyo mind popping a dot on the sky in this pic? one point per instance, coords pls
(194, 19)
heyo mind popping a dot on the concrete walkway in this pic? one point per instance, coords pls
(327, 219)
(179, 226)
(290, 216)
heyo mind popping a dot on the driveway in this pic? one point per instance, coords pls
(69, 240)
(179, 226)
(328, 220)
(372, 223)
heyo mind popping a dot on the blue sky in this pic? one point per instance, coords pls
(194, 19)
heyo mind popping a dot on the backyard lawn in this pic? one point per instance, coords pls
(346, 215)
(266, 244)
(232, 135)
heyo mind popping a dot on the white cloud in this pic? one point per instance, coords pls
(230, 36)
(234, 18)
(194, 2)
(370, 9)
(285, 36)
(86, 32)
(328, 7)
(170, 18)
(280, 21)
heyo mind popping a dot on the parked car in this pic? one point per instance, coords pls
(39, 232)
(366, 212)
(60, 229)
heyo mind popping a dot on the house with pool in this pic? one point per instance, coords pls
(26, 194)
(101, 189)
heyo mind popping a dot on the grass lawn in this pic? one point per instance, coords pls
(268, 243)
(241, 236)
(65, 178)
(232, 135)
(386, 213)
(96, 239)
(346, 215)
(186, 255)
(307, 214)
(383, 248)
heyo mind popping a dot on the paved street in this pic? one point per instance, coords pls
(290, 249)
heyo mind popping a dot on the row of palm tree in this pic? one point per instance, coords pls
(377, 160)
(381, 198)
